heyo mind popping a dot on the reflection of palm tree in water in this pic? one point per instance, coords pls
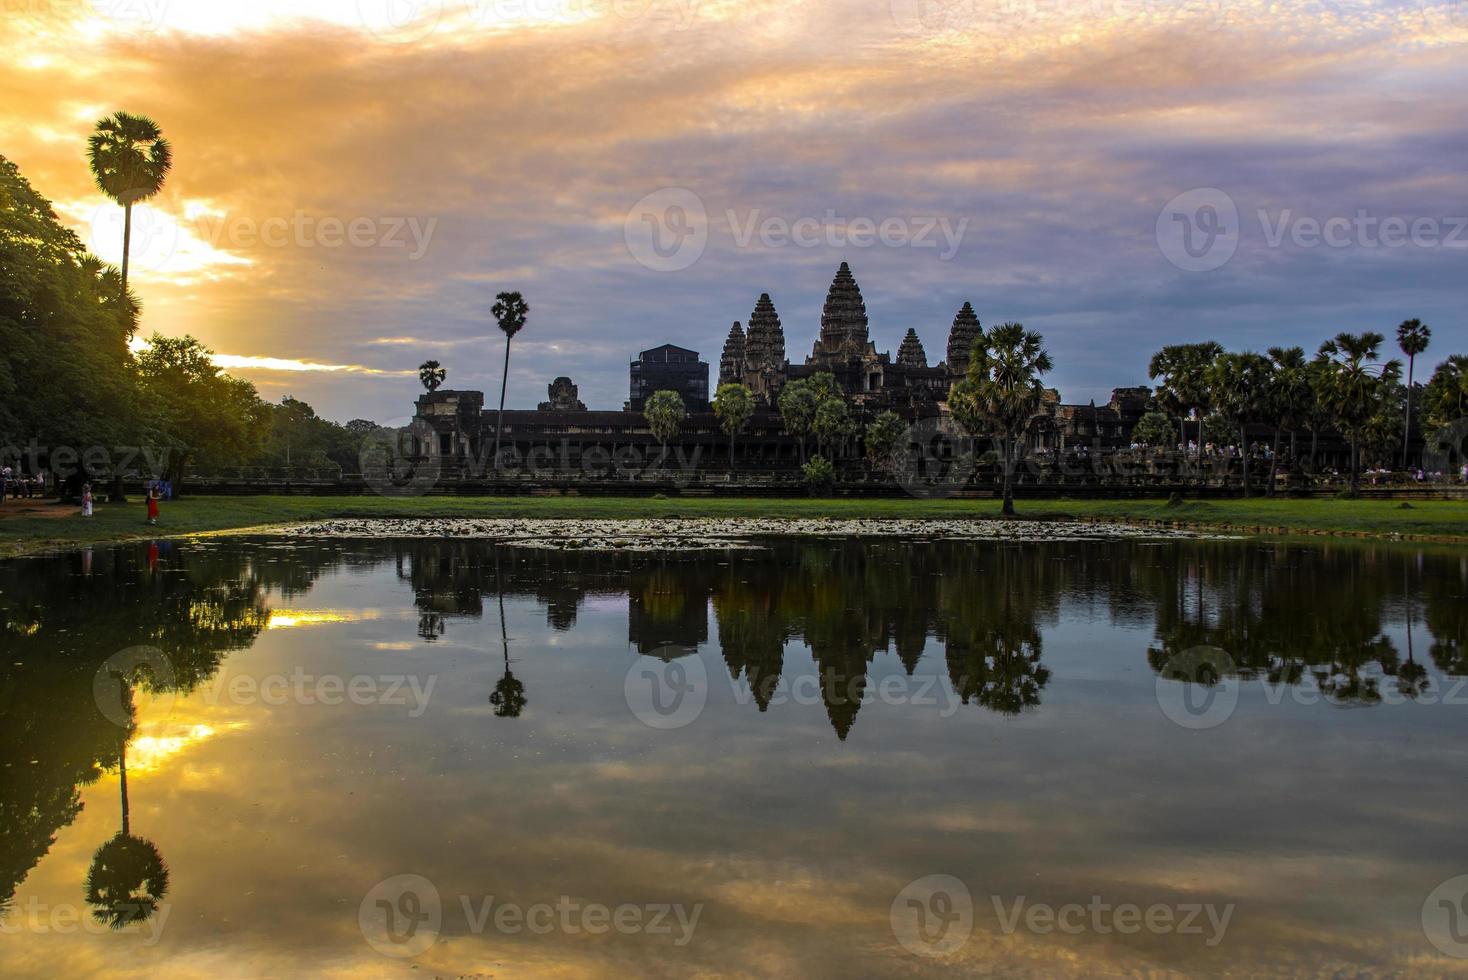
(1411, 676)
(128, 877)
(509, 693)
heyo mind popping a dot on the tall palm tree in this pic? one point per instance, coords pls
(509, 691)
(510, 311)
(1289, 401)
(128, 877)
(431, 373)
(130, 159)
(1239, 386)
(1183, 369)
(1355, 386)
(1002, 392)
(1413, 336)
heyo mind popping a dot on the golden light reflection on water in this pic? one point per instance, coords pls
(276, 819)
(289, 618)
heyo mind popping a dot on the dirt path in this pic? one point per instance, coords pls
(35, 507)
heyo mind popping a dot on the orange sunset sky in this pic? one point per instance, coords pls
(354, 181)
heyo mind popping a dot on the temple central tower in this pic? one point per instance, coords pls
(843, 318)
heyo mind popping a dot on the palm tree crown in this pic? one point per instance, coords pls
(129, 157)
(510, 310)
(1413, 336)
(432, 374)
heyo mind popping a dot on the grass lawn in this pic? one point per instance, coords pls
(44, 526)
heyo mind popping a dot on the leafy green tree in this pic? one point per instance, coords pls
(1413, 336)
(824, 385)
(431, 373)
(361, 427)
(1446, 399)
(130, 159)
(798, 403)
(1238, 386)
(1154, 430)
(1289, 399)
(1183, 388)
(66, 375)
(510, 311)
(832, 424)
(196, 411)
(885, 441)
(819, 474)
(1003, 393)
(1355, 387)
(1319, 415)
(296, 436)
(664, 413)
(734, 405)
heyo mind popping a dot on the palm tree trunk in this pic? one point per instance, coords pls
(127, 242)
(1199, 454)
(122, 783)
(1273, 466)
(1244, 451)
(1407, 425)
(118, 496)
(1004, 452)
(1355, 464)
(731, 452)
(499, 422)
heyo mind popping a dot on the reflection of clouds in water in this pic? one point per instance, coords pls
(797, 843)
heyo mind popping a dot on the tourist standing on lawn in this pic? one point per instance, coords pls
(4, 481)
(86, 500)
(153, 495)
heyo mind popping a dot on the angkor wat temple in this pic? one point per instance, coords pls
(455, 426)
(844, 349)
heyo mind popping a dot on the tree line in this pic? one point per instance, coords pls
(76, 398)
(1349, 388)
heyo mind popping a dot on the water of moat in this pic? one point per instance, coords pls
(354, 756)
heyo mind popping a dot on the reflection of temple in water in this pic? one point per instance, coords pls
(1360, 620)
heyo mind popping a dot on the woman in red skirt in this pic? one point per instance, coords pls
(153, 506)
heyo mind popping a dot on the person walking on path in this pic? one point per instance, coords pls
(4, 481)
(86, 500)
(153, 506)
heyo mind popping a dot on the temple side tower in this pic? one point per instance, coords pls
(961, 337)
(911, 353)
(731, 364)
(764, 352)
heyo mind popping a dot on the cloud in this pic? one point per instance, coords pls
(1057, 131)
